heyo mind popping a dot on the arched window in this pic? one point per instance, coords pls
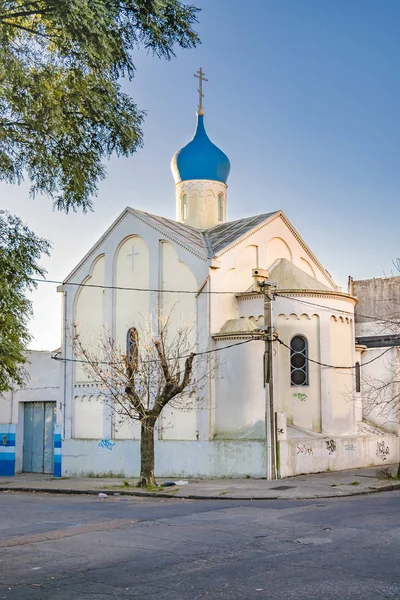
(132, 348)
(298, 361)
(220, 207)
(358, 377)
(184, 208)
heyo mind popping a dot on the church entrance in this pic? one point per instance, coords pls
(38, 449)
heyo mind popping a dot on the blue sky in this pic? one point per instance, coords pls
(304, 98)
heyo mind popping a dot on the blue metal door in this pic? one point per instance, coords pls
(39, 421)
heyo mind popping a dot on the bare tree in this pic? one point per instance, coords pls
(159, 367)
(381, 394)
(378, 376)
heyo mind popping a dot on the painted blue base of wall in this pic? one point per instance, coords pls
(57, 451)
(7, 450)
(7, 467)
(57, 466)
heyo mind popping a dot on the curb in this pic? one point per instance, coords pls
(69, 491)
(137, 494)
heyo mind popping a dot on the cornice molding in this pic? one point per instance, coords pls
(200, 182)
(249, 295)
(319, 294)
(239, 335)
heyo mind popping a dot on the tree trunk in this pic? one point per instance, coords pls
(147, 453)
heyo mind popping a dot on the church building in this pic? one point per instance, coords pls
(219, 277)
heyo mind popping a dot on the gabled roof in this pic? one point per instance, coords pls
(222, 236)
(185, 234)
(207, 244)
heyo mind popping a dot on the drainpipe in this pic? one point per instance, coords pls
(65, 363)
(12, 406)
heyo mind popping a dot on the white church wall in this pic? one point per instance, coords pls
(132, 270)
(172, 458)
(277, 248)
(179, 421)
(125, 428)
(205, 397)
(302, 404)
(260, 249)
(88, 417)
(234, 276)
(325, 306)
(315, 455)
(342, 354)
(89, 312)
(185, 271)
(382, 408)
(307, 267)
(252, 307)
(239, 390)
(177, 275)
(278, 241)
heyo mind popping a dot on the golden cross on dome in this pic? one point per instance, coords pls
(200, 75)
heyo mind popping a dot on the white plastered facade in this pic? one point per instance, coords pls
(224, 433)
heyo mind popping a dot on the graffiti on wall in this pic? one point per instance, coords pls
(106, 443)
(301, 397)
(350, 447)
(382, 451)
(304, 449)
(331, 446)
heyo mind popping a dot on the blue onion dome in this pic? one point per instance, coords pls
(200, 158)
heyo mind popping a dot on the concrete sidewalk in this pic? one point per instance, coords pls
(320, 485)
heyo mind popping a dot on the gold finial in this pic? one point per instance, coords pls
(200, 75)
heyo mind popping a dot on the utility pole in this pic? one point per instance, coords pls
(263, 283)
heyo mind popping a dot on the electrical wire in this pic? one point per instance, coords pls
(130, 289)
(155, 360)
(335, 366)
(217, 292)
(100, 362)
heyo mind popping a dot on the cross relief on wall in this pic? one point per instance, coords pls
(133, 254)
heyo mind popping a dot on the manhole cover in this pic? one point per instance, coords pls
(283, 487)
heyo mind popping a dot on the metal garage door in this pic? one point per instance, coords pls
(39, 421)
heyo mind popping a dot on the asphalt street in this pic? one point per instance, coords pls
(81, 547)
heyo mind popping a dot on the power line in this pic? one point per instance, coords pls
(130, 289)
(335, 366)
(218, 292)
(155, 360)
